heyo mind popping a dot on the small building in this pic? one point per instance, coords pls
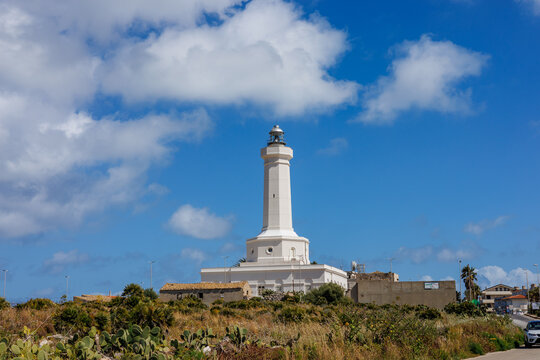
(435, 294)
(93, 298)
(511, 304)
(490, 294)
(206, 291)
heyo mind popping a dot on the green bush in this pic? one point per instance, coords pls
(476, 348)
(72, 318)
(326, 294)
(292, 314)
(464, 309)
(429, 314)
(4, 304)
(150, 294)
(102, 321)
(36, 304)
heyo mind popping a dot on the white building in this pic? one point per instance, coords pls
(277, 258)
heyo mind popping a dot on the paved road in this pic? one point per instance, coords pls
(516, 354)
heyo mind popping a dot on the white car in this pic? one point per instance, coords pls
(532, 333)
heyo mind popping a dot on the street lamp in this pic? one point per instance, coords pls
(151, 262)
(459, 277)
(537, 276)
(5, 277)
(67, 287)
(391, 259)
(527, 279)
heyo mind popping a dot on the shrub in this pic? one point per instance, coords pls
(292, 314)
(218, 302)
(4, 304)
(133, 290)
(476, 348)
(326, 294)
(267, 292)
(152, 315)
(36, 304)
(102, 321)
(72, 318)
(464, 309)
(429, 314)
(150, 294)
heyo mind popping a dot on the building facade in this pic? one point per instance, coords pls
(277, 258)
(435, 294)
(514, 304)
(207, 292)
(490, 294)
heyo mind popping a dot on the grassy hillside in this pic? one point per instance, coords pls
(311, 327)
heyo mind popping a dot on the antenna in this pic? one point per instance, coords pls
(354, 265)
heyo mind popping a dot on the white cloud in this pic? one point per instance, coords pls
(336, 147)
(449, 255)
(193, 254)
(266, 54)
(55, 169)
(493, 275)
(448, 278)
(534, 5)
(58, 262)
(426, 253)
(199, 223)
(59, 163)
(416, 255)
(426, 278)
(425, 76)
(482, 226)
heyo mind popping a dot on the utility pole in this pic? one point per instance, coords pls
(527, 279)
(459, 277)
(67, 287)
(151, 262)
(5, 277)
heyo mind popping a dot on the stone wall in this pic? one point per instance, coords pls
(406, 292)
(208, 296)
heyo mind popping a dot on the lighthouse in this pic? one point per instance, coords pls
(277, 258)
(277, 241)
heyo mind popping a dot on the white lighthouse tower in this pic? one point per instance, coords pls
(277, 258)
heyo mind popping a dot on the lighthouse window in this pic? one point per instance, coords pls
(252, 251)
(269, 250)
(274, 195)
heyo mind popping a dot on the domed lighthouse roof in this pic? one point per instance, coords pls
(276, 136)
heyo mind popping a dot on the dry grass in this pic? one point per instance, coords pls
(321, 336)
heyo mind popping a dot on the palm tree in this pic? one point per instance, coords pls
(468, 274)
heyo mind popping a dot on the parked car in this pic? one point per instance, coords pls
(532, 333)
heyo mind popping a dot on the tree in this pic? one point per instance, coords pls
(133, 290)
(329, 293)
(468, 274)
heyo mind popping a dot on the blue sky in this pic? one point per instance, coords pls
(130, 132)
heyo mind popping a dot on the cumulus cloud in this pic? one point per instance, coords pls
(199, 223)
(425, 75)
(336, 147)
(60, 260)
(193, 254)
(426, 278)
(449, 255)
(59, 162)
(493, 275)
(480, 227)
(266, 54)
(415, 255)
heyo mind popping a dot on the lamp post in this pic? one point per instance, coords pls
(151, 262)
(5, 277)
(537, 276)
(527, 279)
(459, 277)
(67, 287)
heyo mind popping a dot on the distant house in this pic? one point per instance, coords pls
(490, 294)
(206, 291)
(511, 304)
(93, 298)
